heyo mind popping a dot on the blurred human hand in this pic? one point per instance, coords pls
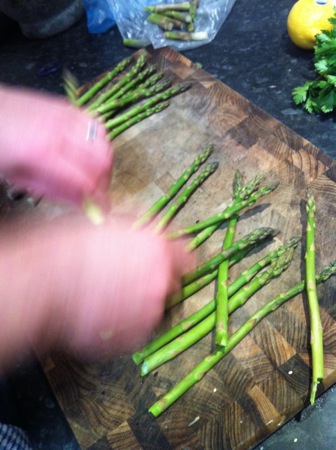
(92, 290)
(49, 148)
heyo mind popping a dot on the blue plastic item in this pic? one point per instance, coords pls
(99, 16)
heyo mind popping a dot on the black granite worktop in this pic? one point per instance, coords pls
(253, 55)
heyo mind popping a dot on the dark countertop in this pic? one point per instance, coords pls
(253, 55)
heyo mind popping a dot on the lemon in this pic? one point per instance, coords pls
(306, 19)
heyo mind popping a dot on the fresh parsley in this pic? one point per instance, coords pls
(319, 95)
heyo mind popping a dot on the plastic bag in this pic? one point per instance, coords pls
(99, 16)
(131, 21)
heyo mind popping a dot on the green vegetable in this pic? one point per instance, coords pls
(136, 119)
(257, 235)
(175, 187)
(244, 278)
(233, 208)
(185, 195)
(210, 361)
(316, 332)
(186, 35)
(91, 92)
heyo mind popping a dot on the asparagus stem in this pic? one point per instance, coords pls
(164, 22)
(193, 11)
(178, 15)
(184, 6)
(316, 331)
(222, 297)
(175, 187)
(90, 93)
(185, 195)
(142, 108)
(230, 211)
(211, 360)
(136, 119)
(189, 338)
(244, 278)
(200, 283)
(135, 69)
(132, 97)
(186, 35)
(256, 236)
(136, 43)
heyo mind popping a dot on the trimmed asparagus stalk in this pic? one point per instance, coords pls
(193, 11)
(136, 43)
(184, 6)
(142, 108)
(175, 187)
(186, 340)
(178, 15)
(244, 278)
(210, 361)
(136, 119)
(100, 84)
(316, 331)
(258, 235)
(185, 195)
(186, 35)
(135, 69)
(165, 22)
(230, 211)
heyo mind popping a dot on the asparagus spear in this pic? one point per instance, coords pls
(186, 35)
(258, 235)
(211, 360)
(132, 97)
(231, 210)
(90, 93)
(244, 193)
(316, 331)
(189, 338)
(142, 108)
(134, 83)
(222, 296)
(184, 6)
(136, 119)
(185, 195)
(136, 68)
(195, 286)
(175, 187)
(244, 278)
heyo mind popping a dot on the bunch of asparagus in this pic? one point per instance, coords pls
(229, 296)
(129, 93)
(178, 20)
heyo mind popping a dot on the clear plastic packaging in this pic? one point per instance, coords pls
(131, 19)
(99, 16)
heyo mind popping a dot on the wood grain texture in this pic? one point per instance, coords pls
(265, 380)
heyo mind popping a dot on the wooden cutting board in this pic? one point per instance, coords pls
(265, 380)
